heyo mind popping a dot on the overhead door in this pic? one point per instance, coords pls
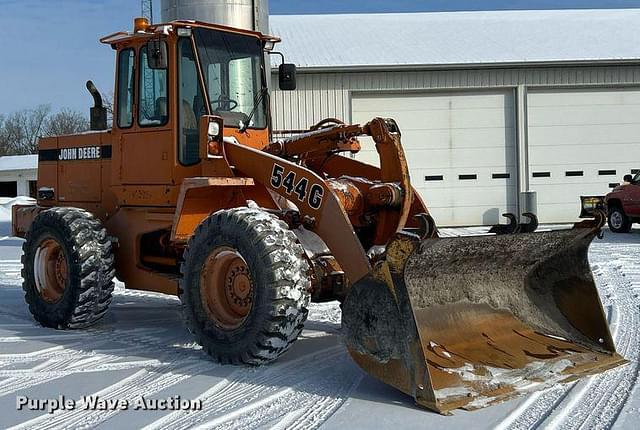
(460, 147)
(581, 142)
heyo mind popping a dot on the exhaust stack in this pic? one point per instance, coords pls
(98, 113)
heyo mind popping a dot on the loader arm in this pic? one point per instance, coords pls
(281, 168)
(317, 147)
(394, 169)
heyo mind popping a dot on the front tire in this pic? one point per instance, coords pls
(245, 286)
(618, 221)
(67, 268)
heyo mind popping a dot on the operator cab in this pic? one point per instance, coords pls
(170, 76)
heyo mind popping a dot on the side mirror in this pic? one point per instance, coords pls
(287, 77)
(157, 54)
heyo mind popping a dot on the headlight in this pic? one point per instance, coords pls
(214, 129)
(592, 203)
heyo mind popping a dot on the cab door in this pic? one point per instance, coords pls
(146, 138)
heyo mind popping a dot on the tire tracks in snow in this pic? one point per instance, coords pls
(19, 380)
(143, 383)
(88, 352)
(601, 404)
(11, 273)
(300, 393)
(81, 357)
(314, 399)
(320, 405)
(265, 396)
(174, 359)
(597, 401)
(135, 339)
(228, 394)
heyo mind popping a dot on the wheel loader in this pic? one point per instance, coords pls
(188, 194)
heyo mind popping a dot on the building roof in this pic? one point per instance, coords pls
(458, 38)
(18, 162)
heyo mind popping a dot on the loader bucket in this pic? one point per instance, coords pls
(471, 321)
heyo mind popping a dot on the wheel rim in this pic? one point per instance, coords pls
(616, 219)
(50, 270)
(226, 288)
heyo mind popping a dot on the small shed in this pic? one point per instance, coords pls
(18, 175)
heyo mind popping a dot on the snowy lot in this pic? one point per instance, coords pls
(141, 347)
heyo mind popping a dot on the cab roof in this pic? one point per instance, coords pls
(167, 28)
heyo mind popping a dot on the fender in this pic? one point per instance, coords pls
(200, 197)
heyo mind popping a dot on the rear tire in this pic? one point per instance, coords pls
(245, 286)
(67, 268)
(618, 221)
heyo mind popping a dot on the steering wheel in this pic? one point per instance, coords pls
(225, 103)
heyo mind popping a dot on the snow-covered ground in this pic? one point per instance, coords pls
(141, 347)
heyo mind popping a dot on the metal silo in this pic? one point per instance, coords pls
(247, 14)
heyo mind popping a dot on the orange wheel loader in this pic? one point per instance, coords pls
(187, 194)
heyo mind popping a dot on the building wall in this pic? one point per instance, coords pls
(328, 94)
(460, 147)
(21, 177)
(325, 94)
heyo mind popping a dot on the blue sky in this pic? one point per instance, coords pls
(50, 48)
(355, 6)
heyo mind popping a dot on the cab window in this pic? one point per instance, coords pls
(153, 105)
(125, 88)
(191, 104)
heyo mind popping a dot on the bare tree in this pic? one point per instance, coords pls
(19, 132)
(4, 141)
(107, 102)
(65, 122)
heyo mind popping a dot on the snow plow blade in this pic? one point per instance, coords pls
(471, 321)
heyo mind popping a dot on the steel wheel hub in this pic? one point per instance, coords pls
(226, 288)
(616, 219)
(50, 270)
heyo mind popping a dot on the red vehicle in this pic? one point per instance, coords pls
(622, 204)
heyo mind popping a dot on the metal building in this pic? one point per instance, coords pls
(490, 104)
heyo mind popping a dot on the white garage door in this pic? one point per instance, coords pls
(580, 142)
(460, 147)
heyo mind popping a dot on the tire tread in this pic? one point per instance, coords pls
(91, 274)
(287, 286)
